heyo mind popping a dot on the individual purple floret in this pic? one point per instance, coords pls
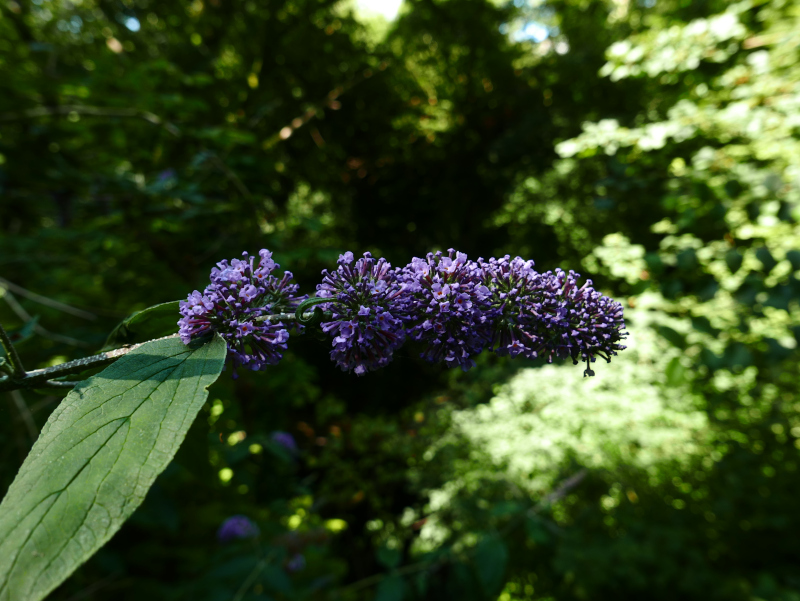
(239, 293)
(296, 563)
(549, 315)
(452, 313)
(237, 526)
(286, 440)
(367, 317)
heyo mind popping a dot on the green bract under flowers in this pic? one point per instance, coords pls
(455, 307)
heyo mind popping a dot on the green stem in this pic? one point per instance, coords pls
(45, 378)
(18, 371)
(278, 317)
(316, 314)
(41, 378)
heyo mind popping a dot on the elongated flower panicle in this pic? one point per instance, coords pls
(454, 306)
(548, 315)
(591, 324)
(368, 313)
(452, 313)
(239, 293)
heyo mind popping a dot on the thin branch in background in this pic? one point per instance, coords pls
(44, 403)
(25, 414)
(60, 337)
(47, 302)
(212, 248)
(251, 578)
(263, 112)
(231, 175)
(563, 488)
(317, 137)
(90, 590)
(11, 353)
(40, 330)
(91, 111)
(377, 578)
(330, 102)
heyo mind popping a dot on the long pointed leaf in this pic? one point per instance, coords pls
(95, 460)
(153, 322)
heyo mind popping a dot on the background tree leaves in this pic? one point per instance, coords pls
(491, 558)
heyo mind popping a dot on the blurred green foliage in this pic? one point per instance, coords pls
(651, 145)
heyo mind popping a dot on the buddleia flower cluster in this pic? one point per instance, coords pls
(239, 294)
(453, 315)
(548, 314)
(368, 314)
(453, 307)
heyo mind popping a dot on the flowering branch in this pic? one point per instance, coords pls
(455, 307)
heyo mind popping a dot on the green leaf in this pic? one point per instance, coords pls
(24, 332)
(491, 556)
(275, 579)
(675, 372)
(96, 458)
(536, 531)
(389, 558)
(674, 337)
(392, 588)
(153, 322)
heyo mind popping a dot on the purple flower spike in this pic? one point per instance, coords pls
(286, 440)
(367, 319)
(238, 294)
(452, 312)
(236, 527)
(549, 315)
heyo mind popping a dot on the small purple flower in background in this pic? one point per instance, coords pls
(286, 440)
(238, 294)
(296, 563)
(167, 175)
(549, 315)
(452, 313)
(235, 527)
(367, 319)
